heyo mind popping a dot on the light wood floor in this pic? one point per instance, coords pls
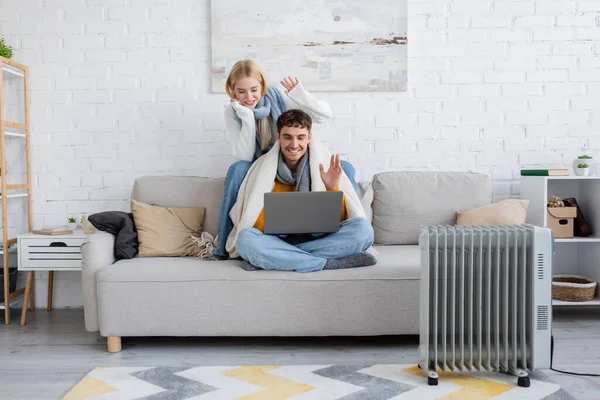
(45, 358)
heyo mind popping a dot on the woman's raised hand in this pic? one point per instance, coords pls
(289, 83)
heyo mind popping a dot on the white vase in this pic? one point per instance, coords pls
(72, 225)
(588, 161)
(582, 171)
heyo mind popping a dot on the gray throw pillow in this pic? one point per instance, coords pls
(120, 224)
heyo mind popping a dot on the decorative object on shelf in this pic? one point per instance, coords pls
(560, 218)
(583, 170)
(5, 50)
(555, 201)
(567, 287)
(581, 227)
(87, 225)
(71, 223)
(583, 159)
(545, 172)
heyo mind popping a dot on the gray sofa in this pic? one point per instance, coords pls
(189, 296)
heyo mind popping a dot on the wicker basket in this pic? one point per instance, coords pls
(572, 288)
(13, 273)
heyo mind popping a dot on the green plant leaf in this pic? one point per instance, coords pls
(5, 50)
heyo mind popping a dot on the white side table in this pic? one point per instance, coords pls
(47, 253)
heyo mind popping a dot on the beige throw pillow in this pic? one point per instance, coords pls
(166, 231)
(505, 212)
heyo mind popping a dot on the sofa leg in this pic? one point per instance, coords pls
(114, 344)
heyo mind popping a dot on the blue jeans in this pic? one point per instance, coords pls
(271, 252)
(233, 180)
(350, 172)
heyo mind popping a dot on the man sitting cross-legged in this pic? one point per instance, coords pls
(295, 163)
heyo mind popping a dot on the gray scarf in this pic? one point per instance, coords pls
(301, 178)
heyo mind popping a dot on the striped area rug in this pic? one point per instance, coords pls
(304, 382)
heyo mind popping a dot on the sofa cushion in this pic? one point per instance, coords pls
(505, 212)
(182, 192)
(393, 262)
(405, 201)
(167, 231)
(189, 297)
(365, 194)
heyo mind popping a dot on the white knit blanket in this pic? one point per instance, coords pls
(260, 179)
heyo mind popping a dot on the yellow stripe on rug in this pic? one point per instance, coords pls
(473, 388)
(89, 387)
(276, 388)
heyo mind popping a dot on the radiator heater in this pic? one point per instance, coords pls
(486, 300)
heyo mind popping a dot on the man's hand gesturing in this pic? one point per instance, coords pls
(331, 178)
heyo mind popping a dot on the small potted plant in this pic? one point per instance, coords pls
(71, 223)
(583, 169)
(583, 159)
(5, 50)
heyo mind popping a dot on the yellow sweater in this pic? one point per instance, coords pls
(280, 187)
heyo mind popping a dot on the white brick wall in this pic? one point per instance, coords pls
(120, 88)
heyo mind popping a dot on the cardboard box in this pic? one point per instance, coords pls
(560, 220)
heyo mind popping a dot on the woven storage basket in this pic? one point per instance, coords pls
(13, 274)
(572, 288)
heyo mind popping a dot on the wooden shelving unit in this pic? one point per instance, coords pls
(577, 255)
(13, 74)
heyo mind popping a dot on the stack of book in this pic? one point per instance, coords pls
(53, 231)
(545, 172)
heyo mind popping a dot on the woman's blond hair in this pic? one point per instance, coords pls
(249, 68)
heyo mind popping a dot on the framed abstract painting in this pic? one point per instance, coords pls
(350, 45)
